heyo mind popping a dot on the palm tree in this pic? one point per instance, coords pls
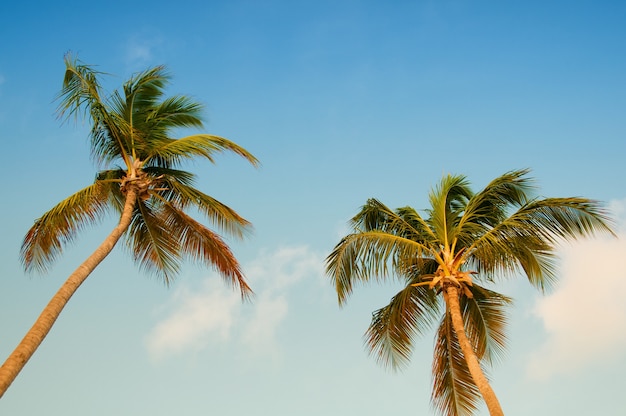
(141, 182)
(464, 238)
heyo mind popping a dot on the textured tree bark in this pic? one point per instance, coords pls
(35, 336)
(493, 405)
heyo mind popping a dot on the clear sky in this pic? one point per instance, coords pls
(341, 101)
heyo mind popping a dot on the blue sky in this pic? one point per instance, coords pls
(341, 101)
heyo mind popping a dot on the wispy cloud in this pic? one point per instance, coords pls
(585, 318)
(212, 313)
(140, 50)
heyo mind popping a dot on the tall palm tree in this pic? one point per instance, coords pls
(141, 182)
(464, 238)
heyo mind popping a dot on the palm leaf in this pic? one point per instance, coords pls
(527, 238)
(454, 391)
(172, 152)
(82, 91)
(225, 218)
(56, 228)
(365, 256)
(204, 245)
(153, 245)
(485, 322)
(409, 314)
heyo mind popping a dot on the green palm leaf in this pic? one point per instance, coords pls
(485, 321)
(204, 245)
(152, 243)
(171, 153)
(45, 240)
(409, 314)
(454, 391)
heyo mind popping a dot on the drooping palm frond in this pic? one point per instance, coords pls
(56, 228)
(222, 216)
(454, 391)
(151, 242)
(409, 314)
(485, 320)
(202, 244)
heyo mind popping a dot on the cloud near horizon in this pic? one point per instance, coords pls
(585, 317)
(213, 313)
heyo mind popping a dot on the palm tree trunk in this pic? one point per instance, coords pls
(452, 299)
(35, 336)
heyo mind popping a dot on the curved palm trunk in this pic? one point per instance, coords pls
(452, 299)
(35, 336)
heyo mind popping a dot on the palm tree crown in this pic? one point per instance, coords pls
(464, 239)
(133, 129)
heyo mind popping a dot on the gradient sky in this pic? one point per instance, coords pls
(341, 101)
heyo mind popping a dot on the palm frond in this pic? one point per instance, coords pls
(171, 152)
(409, 314)
(491, 206)
(144, 90)
(152, 244)
(57, 227)
(447, 202)
(364, 256)
(527, 238)
(557, 219)
(183, 196)
(81, 89)
(204, 245)
(485, 322)
(404, 222)
(454, 391)
(176, 111)
(82, 92)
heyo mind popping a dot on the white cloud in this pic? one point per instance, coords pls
(213, 313)
(585, 318)
(194, 318)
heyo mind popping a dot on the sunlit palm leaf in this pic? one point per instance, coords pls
(225, 218)
(204, 245)
(175, 151)
(57, 227)
(365, 256)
